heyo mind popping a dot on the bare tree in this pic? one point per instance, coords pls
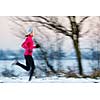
(75, 28)
(73, 32)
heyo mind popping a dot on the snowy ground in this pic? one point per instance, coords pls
(23, 77)
(48, 80)
(53, 88)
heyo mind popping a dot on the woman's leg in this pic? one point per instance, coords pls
(23, 66)
(27, 67)
(32, 66)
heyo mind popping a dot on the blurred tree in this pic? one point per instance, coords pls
(69, 26)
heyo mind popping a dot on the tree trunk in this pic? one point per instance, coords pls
(78, 55)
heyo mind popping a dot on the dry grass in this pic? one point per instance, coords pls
(95, 74)
(73, 74)
(68, 74)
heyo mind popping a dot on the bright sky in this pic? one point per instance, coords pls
(7, 39)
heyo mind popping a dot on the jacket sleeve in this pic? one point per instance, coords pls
(29, 45)
(33, 46)
(24, 44)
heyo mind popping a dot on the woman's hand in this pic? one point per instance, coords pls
(37, 46)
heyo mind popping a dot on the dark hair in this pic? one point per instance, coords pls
(26, 35)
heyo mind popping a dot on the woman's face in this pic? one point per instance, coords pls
(31, 34)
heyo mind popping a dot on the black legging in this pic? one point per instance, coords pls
(29, 65)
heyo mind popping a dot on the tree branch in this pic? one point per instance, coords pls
(83, 20)
(44, 18)
(48, 24)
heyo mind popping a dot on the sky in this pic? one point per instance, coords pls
(7, 39)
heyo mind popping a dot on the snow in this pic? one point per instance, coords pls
(44, 88)
(49, 91)
(47, 80)
(22, 76)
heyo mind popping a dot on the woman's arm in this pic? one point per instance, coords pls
(24, 44)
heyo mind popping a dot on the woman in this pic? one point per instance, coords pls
(28, 45)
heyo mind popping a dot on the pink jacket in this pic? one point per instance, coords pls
(28, 45)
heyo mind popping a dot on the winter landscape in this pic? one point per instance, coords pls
(68, 44)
